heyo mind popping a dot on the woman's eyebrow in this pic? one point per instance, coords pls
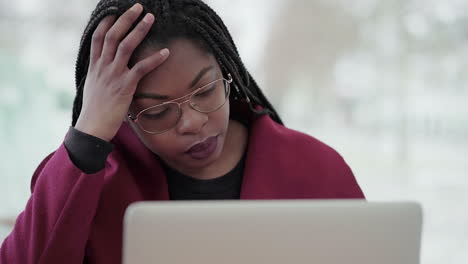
(165, 97)
(200, 75)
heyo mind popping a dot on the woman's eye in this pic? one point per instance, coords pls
(156, 115)
(206, 92)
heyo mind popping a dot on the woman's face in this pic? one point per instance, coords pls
(198, 138)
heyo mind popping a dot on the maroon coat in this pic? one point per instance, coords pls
(72, 216)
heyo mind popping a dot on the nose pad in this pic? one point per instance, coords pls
(191, 121)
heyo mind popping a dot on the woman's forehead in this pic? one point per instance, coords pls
(184, 63)
(187, 68)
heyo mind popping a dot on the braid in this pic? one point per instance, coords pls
(226, 61)
(211, 19)
(212, 15)
(175, 18)
(232, 62)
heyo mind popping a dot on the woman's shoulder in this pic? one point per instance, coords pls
(303, 164)
(283, 138)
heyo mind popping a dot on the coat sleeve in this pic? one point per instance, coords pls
(55, 225)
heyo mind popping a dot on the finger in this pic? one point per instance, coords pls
(118, 31)
(145, 66)
(98, 37)
(129, 44)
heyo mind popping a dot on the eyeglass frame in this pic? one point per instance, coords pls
(173, 101)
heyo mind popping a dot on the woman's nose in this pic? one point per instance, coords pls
(191, 121)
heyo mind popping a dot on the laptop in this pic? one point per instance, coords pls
(273, 232)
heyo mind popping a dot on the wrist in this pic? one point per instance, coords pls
(92, 130)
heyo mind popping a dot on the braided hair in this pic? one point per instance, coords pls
(188, 19)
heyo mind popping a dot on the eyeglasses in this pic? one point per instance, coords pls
(163, 117)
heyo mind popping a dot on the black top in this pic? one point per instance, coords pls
(89, 154)
(183, 187)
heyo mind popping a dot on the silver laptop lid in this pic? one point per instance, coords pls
(273, 232)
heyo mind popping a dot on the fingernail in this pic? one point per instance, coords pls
(148, 18)
(164, 52)
(136, 7)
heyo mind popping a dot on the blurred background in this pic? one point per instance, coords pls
(385, 83)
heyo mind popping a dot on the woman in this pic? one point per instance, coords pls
(164, 110)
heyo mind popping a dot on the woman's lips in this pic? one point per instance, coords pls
(204, 149)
